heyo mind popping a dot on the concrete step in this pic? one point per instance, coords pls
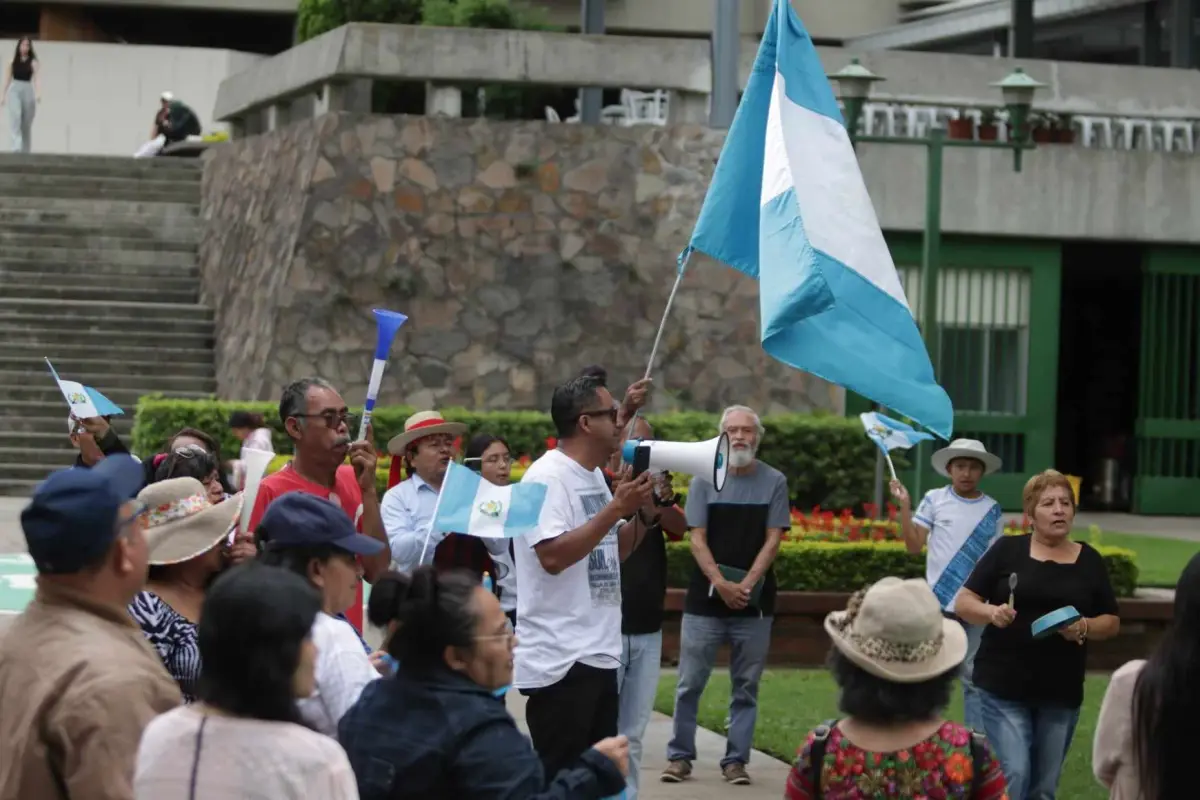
(96, 242)
(77, 255)
(51, 419)
(92, 207)
(70, 367)
(182, 312)
(157, 169)
(43, 337)
(17, 488)
(31, 474)
(102, 273)
(144, 291)
(124, 393)
(35, 448)
(144, 190)
(101, 353)
(125, 226)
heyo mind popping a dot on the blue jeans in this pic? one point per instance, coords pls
(699, 637)
(1030, 742)
(972, 713)
(637, 682)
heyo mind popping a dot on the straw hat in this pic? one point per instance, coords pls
(895, 630)
(965, 448)
(420, 425)
(182, 523)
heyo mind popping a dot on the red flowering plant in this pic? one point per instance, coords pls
(821, 525)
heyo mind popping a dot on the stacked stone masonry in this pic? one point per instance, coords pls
(521, 251)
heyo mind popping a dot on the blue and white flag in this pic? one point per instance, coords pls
(84, 401)
(470, 504)
(787, 205)
(890, 434)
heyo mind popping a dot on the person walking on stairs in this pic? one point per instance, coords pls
(22, 92)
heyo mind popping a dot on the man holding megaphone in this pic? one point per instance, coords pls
(735, 535)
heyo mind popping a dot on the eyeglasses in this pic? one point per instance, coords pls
(508, 635)
(139, 511)
(611, 413)
(333, 419)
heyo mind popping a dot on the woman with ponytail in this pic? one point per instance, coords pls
(1145, 737)
(435, 729)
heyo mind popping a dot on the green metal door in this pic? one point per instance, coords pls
(1167, 469)
(998, 320)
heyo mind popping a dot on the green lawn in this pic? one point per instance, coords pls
(1159, 560)
(792, 702)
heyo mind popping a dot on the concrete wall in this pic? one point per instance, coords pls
(825, 20)
(268, 6)
(100, 99)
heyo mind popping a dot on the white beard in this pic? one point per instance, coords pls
(741, 457)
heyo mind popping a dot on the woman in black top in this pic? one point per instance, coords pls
(22, 92)
(1031, 689)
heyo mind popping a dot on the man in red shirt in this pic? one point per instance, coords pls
(318, 421)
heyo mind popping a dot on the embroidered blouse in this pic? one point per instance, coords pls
(939, 767)
(173, 636)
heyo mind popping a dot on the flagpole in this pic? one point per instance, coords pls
(433, 519)
(662, 325)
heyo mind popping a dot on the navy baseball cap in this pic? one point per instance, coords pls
(298, 519)
(72, 519)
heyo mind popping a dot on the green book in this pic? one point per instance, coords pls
(735, 575)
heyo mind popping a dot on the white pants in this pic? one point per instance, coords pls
(22, 105)
(152, 147)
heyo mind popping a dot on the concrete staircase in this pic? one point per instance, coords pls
(98, 273)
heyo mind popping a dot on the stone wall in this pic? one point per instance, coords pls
(521, 251)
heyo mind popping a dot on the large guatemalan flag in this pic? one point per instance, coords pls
(472, 505)
(788, 206)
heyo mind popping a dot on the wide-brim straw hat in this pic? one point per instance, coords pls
(965, 448)
(182, 523)
(420, 425)
(895, 630)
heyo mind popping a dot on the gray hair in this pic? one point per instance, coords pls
(294, 401)
(744, 410)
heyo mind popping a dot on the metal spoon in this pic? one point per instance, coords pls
(1012, 588)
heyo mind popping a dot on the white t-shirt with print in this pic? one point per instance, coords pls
(951, 520)
(574, 616)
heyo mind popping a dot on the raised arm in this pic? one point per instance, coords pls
(914, 529)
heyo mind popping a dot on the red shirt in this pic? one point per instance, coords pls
(346, 495)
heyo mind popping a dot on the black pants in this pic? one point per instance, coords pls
(568, 717)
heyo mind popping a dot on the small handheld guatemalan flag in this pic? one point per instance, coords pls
(477, 507)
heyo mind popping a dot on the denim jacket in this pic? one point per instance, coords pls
(440, 735)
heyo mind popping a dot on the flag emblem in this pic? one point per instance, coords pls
(491, 508)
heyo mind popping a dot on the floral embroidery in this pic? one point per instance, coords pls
(939, 768)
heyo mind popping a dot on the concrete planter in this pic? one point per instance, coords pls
(798, 635)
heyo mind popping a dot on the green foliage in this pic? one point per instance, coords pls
(848, 567)
(314, 17)
(827, 459)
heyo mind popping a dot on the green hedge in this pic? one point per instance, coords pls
(848, 567)
(827, 459)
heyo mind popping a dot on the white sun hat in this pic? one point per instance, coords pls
(965, 448)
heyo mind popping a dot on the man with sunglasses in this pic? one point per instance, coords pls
(316, 418)
(94, 438)
(568, 568)
(81, 682)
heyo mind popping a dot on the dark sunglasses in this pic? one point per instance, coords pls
(611, 413)
(333, 419)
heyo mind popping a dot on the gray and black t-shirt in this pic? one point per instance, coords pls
(735, 521)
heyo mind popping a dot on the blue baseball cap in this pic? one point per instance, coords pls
(298, 519)
(72, 519)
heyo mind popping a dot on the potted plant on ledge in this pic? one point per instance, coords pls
(989, 127)
(962, 127)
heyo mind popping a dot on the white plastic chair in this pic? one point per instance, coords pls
(1095, 131)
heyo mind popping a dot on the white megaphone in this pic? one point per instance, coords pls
(707, 459)
(255, 464)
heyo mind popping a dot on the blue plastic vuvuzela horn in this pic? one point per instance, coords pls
(386, 325)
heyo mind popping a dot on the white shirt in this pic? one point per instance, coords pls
(507, 582)
(576, 614)
(407, 509)
(342, 670)
(239, 759)
(956, 524)
(259, 439)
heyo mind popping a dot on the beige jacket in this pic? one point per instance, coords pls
(1112, 750)
(78, 683)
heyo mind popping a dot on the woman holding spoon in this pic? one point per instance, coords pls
(1031, 686)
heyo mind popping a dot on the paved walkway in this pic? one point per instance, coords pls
(1187, 528)
(769, 775)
